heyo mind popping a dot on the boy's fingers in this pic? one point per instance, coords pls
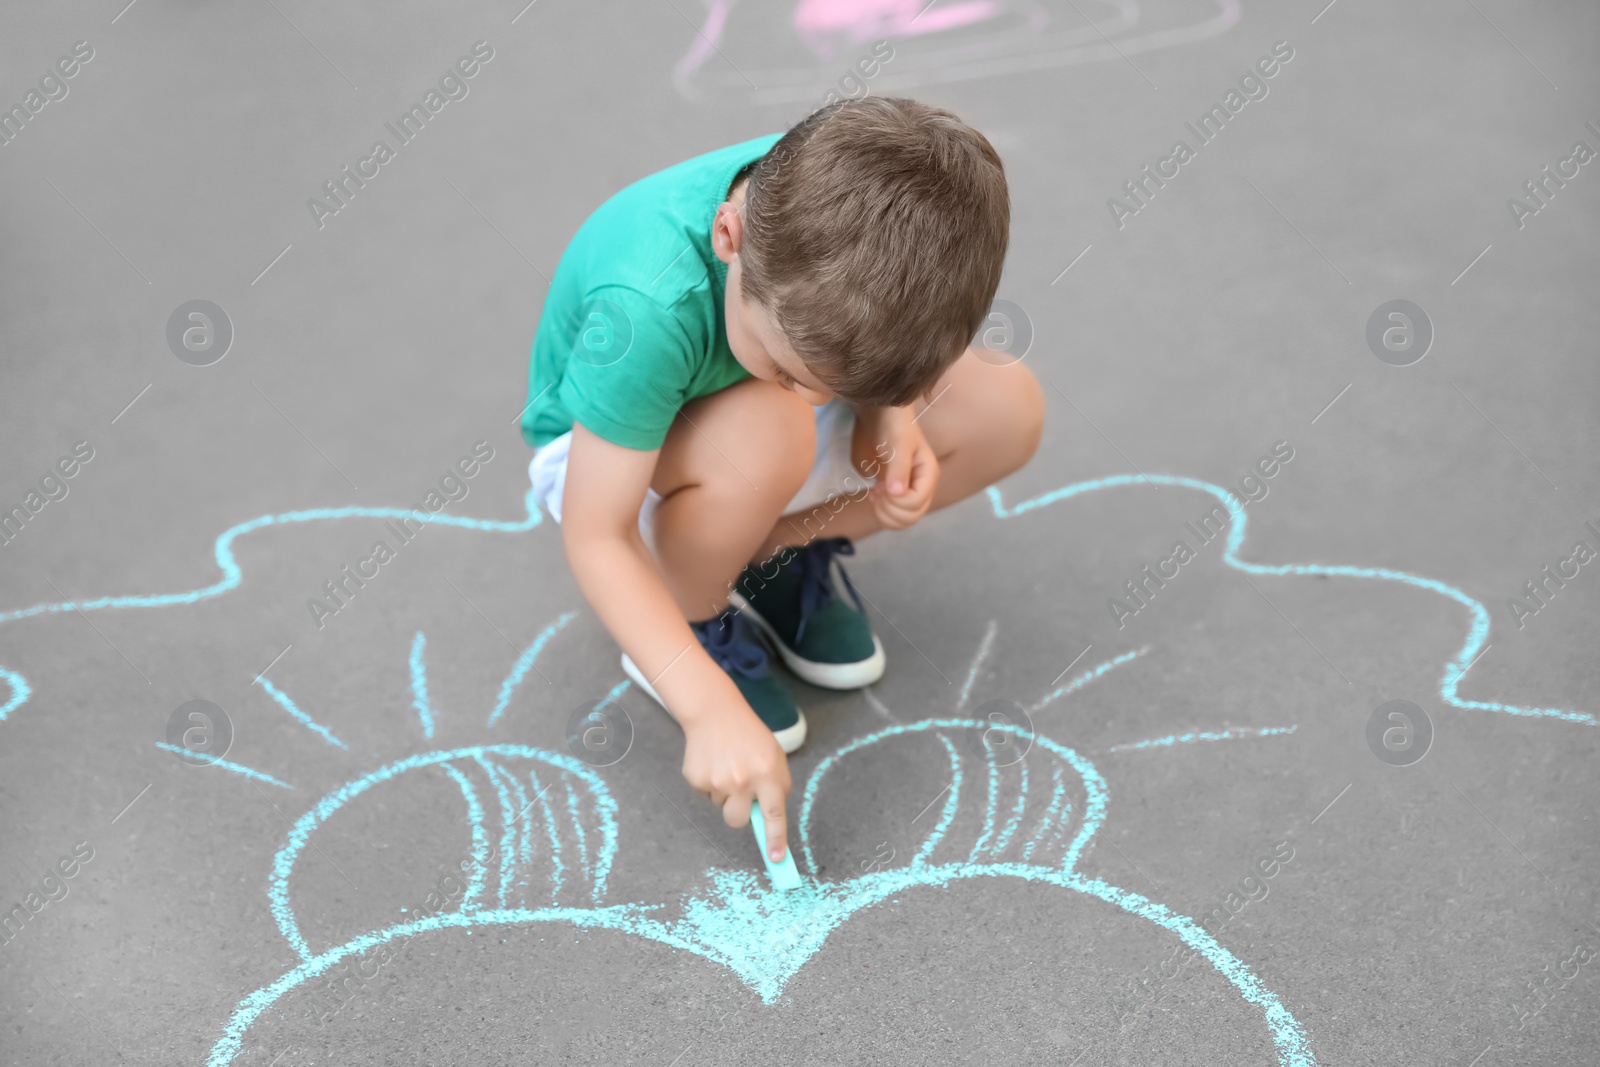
(772, 810)
(896, 472)
(902, 509)
(890, 515)
(736, 810)
(922, 474)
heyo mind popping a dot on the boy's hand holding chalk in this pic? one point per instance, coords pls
(780, 861)
(731, 757)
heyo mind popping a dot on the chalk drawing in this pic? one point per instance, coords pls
(419, 685)
(1477, 633)
(218, 761)
(977, 663)
(1056, 811)
(480, 848)
(1014, 822)
(19, 692)
(761, 935)
(820, 22)
(305, 720)
(1189, 738)
(602, 811)
(1084, 679)
(952, 42)
(232, 575)
(499, 776)
(525, 663)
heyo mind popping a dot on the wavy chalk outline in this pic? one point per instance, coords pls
(233, 575)
(1453, 671)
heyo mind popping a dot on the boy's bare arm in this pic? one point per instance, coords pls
(729, 754)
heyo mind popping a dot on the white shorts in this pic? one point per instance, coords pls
(831, 472)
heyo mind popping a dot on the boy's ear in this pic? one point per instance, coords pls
(727, 231)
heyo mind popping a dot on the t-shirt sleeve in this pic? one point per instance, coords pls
(629, 368)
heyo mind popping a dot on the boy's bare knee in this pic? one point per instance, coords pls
(756, 434)
(1029, 408)
(1012, 419)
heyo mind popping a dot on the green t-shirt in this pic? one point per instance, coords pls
(632, 327)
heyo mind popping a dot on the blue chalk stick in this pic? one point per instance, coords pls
(784, 874)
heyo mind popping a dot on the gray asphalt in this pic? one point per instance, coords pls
(1439, 910)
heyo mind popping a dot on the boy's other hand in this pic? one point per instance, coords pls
(904, 490)
(732, 757)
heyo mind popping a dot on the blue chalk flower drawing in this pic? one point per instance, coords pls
(553, 864)
(554, 826)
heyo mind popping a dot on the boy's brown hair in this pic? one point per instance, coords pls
(874, 235)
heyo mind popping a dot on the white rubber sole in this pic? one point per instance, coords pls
(789, 739)
(823, 675)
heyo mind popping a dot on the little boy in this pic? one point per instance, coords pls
(746, 362)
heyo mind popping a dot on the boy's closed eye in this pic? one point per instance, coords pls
(811, 394)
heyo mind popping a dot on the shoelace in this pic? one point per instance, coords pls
(731, 645)
(816, 586)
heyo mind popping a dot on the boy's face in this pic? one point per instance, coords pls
(756, 343)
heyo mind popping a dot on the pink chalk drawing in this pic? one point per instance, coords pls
(820, 22)
(729, 61)
(705, 40)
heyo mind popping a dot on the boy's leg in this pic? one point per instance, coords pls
(730, 463)
(984, 422)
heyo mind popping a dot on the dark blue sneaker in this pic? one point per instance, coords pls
(735, 644)
(822, 638)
